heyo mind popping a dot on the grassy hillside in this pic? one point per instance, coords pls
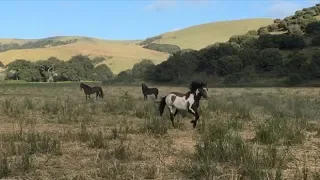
(200, 36)
(126, 53)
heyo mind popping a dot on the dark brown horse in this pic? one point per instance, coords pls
(148, 91)
(91, 90)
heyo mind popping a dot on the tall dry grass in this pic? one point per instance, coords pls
(50, 131)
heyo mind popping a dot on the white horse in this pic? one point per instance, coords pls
(190, 101)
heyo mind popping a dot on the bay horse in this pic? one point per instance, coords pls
(148, 91)
(91, 90)
(189, 101)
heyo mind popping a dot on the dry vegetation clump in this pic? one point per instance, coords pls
(51, 132)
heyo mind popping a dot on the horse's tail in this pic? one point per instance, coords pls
(101, 93)
(162, 105)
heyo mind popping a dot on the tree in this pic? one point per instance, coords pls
(21, 69)
(263, 31)
(295, 30)
(229, 65)
(249, 56)
(297, 63)
(102, 72)
(252, 32)
(97, 60)
(81, 68)
(245, 41)
(270, 60)
(313, 28)
(315, 41)
(142, 69)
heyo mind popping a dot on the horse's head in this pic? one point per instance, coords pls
(203, 90)
(143, 85)
(81, 85)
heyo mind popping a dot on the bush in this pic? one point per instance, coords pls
(167, 48)
(313, 28)
(315, 41)
(231, 79)
(150, 40)
(294, 79)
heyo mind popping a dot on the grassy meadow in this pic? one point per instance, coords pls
(49, 131)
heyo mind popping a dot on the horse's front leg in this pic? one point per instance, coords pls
(173, 112)
(195, 113)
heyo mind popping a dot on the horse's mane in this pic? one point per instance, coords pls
(195, 85)
(84, 85)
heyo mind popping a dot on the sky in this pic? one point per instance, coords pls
(129, 19)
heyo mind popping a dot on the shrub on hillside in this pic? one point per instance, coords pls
(143, 69)
(150, 40)
(270, 60)
(295, 30)
(252, 32)
(293, 79)
(102, 72)
(231, 79)
(167, 48)
(313, 28)
(315, 41)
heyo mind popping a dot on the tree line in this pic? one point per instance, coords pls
(292, 56)
(77, 68)
(35, 44)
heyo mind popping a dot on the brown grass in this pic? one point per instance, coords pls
(124, 54)
(122, 136)
(200, 36)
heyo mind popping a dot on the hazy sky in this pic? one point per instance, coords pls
(121, 19)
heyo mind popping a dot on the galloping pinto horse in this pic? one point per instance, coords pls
(91, 90)
(188, 101)
(147, 91)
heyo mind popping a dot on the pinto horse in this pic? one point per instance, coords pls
(189, 101)
(148, 91)
(91, 90)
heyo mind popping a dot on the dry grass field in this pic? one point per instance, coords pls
(200, 36)
(49, 131)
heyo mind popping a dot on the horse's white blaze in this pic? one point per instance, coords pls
(180, 103)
